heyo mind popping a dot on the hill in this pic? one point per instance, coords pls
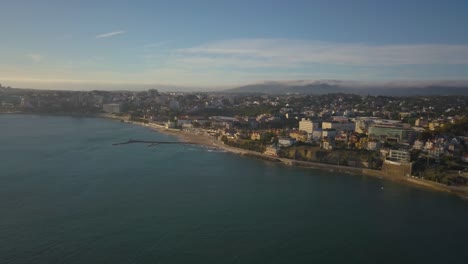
(326, 88)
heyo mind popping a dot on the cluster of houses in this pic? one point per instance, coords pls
(368, 133)
(451, 146)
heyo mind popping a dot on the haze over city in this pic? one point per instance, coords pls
(210, 45)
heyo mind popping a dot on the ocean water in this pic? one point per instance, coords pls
(68, 196)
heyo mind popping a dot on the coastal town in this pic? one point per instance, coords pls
(419, 138)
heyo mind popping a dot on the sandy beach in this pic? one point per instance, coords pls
(202, 140)
(181, 135)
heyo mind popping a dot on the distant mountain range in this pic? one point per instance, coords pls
(291, 87)
(336, 87)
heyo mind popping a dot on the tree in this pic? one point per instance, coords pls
(266, 137)
(207, 125)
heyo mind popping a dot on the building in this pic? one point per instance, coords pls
(421, 122)
(330, 133)
(418, 144)
(339, 126)
(112, 108)
(390, 133)
(255, 136)
(186, 125)
(307, 125)
(24, 102)
(223, 119)
(7, 105)
(170, 124)
(272, 150)
(341, 137)
(434, 125)
(399, 155)
(316, 135)
(299, 135)
(405, 114)
(454, 147)
(285, 141)
(373, 145)
(340, 119)
(183, 120)
(328, 144)
(362, 124)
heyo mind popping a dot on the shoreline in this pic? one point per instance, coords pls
(210, 142)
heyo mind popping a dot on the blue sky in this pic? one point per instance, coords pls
(227, 43)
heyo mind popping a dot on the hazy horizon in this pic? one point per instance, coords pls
(355, 85)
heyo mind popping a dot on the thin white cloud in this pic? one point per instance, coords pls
(35, 57)
(247, 60)
(246, 63)
(110, 34)
(243, 61)
(298, 52)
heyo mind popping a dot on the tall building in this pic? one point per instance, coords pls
(307, 125)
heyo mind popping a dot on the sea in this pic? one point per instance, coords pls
(67, 195)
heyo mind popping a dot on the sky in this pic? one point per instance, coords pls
(211, 44)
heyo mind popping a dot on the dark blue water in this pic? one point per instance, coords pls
(68, 196)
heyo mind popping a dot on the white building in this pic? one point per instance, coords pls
(399, 155)
(285, 141)
(307, 125)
